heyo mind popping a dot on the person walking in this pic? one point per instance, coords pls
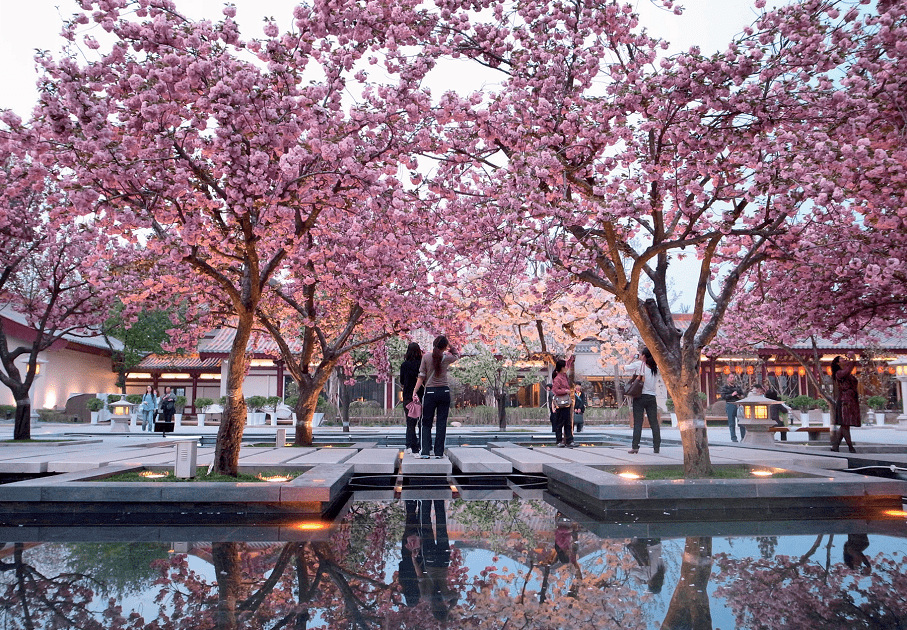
(409, 374)
(560, 387)
(645, 403)
(433, 374)
(847, 402)
(149, 403)
(730, 394)
(579, 408)
(549, 402)
(168, 405)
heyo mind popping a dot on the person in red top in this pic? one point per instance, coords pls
(560, 386)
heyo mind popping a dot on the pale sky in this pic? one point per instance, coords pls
(36, 24)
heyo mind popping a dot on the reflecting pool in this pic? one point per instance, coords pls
(436, 563)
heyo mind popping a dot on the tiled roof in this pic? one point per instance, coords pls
(218, 342)
(90, 340)
(177, 362)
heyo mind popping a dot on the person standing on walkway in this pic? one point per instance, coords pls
(149, 403)
(549, 402)
(847, 401)
(730, 394)
(409, 374)
(560, 387)
(168, 405)
(579, 408)
(645, 403)
(433, 374)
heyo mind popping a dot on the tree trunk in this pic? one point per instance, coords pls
(225, 558)
(689, 607)
(22, 426)
(691, 420)
(502, 412)
(346, 398)
(309, 389)
(229, 436)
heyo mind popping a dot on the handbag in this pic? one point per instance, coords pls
(633, 389)
(562, 401)
(414, 409)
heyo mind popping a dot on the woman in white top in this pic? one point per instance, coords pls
(645, 402)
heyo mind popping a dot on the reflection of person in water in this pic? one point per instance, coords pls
(410, 555)
(853, 553)
(651, 569)
(564, 553)
(432, 572)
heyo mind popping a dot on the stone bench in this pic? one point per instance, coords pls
(813, 433)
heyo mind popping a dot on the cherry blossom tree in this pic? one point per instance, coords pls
(50, 275)
(240, 165)
(608, 162)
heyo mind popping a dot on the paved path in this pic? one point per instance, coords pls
(94, 448)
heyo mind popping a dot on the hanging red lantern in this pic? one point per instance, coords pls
(790, 371)
(727, 369)
(738, 369)
(750, 369)
(779, 371)
(802, 371)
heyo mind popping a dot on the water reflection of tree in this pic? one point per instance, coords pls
(814, 591)
(689, 608)
(32, 599)
(120, 568)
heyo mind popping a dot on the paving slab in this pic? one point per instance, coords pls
(323, 483)
(525, 460)
(271, 455)
(378, 461)
(410, 465)
(324, 456)
(579, 456)
(479, 460)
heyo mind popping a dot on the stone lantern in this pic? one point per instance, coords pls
(756, 419)
(120, 412)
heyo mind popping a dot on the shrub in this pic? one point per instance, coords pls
(669, 405)
(290, 401)
(877, 403)
(271, 402)
(94, 404)
(203, 403)
(7, 411)
(135, 399)
(822, 404)
(256, 403)
(180, 403)
(803, 403)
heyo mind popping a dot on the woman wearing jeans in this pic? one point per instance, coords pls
(433, 374)
(645, 403)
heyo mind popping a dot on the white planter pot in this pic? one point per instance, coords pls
(177, 420)
(673, 419)
(880, 417)
(826, 418)
(201, 419)
(94, 416)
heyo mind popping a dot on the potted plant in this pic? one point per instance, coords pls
(271, 403)
(256, 406)
(822, 404)
(201, 408)
(180, 405)
(878, 404)
(802, 405)
(669, 404)
(94, 405)
(112, 400)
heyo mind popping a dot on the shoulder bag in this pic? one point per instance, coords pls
(562, 401)
(633, 389)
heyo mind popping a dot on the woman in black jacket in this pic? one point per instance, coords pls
(409, 374)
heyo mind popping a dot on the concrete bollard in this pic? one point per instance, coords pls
(281, 439)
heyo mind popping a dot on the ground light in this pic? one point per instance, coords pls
(629, 475)
(150, 474)
(310, 526)
(762, 473)
(274, 478)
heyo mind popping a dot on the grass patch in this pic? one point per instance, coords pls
(135, 476)
(657, 473)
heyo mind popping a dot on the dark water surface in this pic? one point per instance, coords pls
(461, 564)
